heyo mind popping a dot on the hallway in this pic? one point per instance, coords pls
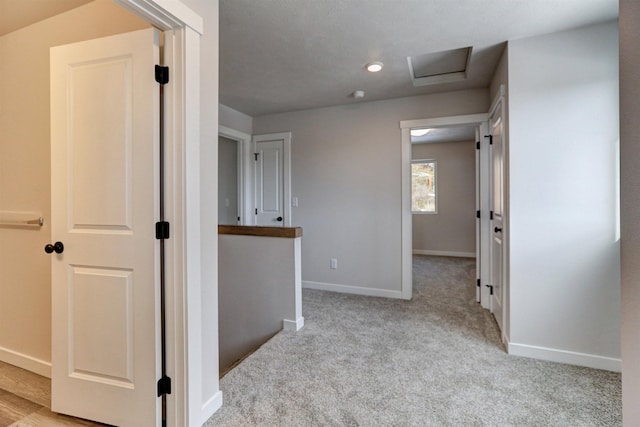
(435, 360)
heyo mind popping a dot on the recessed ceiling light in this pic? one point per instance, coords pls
(374, 67)
(419, 132)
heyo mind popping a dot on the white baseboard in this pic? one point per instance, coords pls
(293, 325)
(210, 407)
(444, 253)
(563, 356)
(23, 361)
(357, 290)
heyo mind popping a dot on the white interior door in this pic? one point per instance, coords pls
(272, 180)
(104, 178)
(496, 125)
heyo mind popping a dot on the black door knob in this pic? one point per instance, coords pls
(57, 247)
(279, 219)
(497, 230)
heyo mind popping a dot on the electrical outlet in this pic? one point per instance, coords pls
(334, 263)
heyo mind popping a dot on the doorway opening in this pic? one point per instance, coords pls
(465, 162)
(234, 177)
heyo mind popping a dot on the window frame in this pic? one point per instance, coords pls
(435, 180)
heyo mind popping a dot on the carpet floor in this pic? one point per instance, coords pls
(436, 360)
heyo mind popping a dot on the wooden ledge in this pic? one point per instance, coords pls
(250, 230)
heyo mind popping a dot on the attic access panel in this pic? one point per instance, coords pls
(440, 67)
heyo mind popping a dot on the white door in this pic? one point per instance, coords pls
(272, 180)
(496, 128)
(104, 188)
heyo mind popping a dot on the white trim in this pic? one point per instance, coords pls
(444, 253)
(484, 188)
(468, 119)
(497, 99)
(25, 361)
(564, 356)
(479, 120)
(164, 14)
(182, 28)
(245, 173)
(209, 407)
(406, 220)
(293, 325)
(286, 138)
(356, 290)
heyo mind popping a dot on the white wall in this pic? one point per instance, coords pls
(453, 229)
(208, 10)
(564, 248)
(630, 209)
(25, 270)
(235, 120)
(346, 175)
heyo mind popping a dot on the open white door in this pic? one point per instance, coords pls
(104, 188)
(272, 179)
(496, 128)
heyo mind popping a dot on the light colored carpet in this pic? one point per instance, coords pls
(434, 361)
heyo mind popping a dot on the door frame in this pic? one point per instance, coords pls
(499, 102)
(286, 171)
(479, 120)
(245, 172)
(182, 27)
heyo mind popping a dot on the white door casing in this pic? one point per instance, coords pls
(497, 231)
(191, 335)
(245, 177)
(272, 172)
(482, 232)
(229, 194)
(104, 186)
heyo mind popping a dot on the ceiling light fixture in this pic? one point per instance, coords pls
(419, 132)
(358, 94)
(374, 67)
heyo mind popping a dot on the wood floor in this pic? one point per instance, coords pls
(25, 401)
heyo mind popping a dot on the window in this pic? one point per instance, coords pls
(423, 186)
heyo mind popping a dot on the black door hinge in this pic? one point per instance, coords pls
(478, 283)
(255, 156)
(164, 386)
(491, 215)
(477, 145)
(478, 214)
(162, 74)
(490, 139)
(256, 211)
(490, 289)
(162, 230)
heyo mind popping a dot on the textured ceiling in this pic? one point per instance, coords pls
(16, 14)
(286, 55)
